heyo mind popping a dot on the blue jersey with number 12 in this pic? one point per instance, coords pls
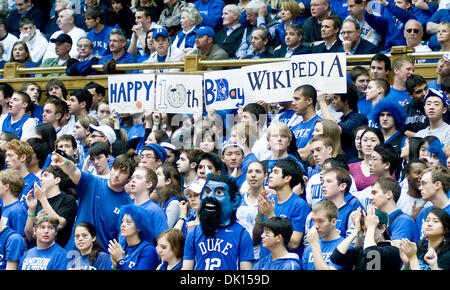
(229, 246)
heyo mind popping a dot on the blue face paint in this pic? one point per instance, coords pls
(220, 192)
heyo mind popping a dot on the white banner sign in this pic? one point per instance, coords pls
(276, 82)
(131, 93)
(179, 93)
(224, 89)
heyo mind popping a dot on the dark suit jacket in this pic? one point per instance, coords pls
(231, 42)
(265, 54)
(364, 47)
(323, 48)
(39, 17)
(281, 52)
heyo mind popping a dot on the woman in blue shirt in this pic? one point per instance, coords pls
(21, 54)
(90, 256)
(170, 249)
(134, 252)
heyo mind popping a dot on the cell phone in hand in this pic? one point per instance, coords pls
(64, 154)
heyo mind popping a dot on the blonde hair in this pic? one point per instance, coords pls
(14, 179)
(280, 128)
(332, 130)
(291, 6)
(43, 217)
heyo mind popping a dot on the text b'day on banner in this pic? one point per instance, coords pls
(131, 93)
(179, 94)
(276, 82)
(224, 90)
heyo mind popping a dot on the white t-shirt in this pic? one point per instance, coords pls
(405, 202)
(76, 33)
(442, 132)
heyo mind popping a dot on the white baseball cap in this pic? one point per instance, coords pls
(196, 186)
(105, 130)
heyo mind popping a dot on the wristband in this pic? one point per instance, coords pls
(112, 268)
(259, 223)
(259, 217)
(31, 215)
(182, 217)
(156, 123)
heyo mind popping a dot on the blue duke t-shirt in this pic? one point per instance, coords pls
(100, 206)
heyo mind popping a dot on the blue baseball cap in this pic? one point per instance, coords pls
(158, 149)
(160, 31)
(435, 93)
(205, 30)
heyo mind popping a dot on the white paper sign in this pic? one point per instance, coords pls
(276, 82)
(181, 94)
(225, 89)
(131, 93)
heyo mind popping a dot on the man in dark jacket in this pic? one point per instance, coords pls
(353, 43)
(230, 36)
(320, 10)
(260, 39)
(293, 42)
(330, 33)
(24, 8)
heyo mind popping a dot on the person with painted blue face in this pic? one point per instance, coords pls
(218, 242)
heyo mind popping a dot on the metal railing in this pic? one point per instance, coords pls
(14, 74)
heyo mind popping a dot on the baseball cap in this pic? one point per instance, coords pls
(105, 130)
(62, 38)
(168, 145)
(196, 186)
(435, 93)
(160, 31)
(159, 150)
(232, 144)
(446, 56)
(205, 30)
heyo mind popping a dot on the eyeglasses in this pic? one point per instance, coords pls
(96, 136)
(410, 30)
(147, 157)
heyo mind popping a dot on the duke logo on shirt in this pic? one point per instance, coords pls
(216, 245)
(116, 211)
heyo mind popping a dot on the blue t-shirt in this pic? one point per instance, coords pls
(15, 216)
(136, 131)
(230, 246)
(100, 206)
(289, 262)
(142, 256)
(303, 131)
(37, 113)
(421, 219)
(295, 209)
(102, 262)
(53, 258)
(12, 246)
(100, 41)
(364, 106)
(434, 85)
(403, 226)
(401, 97)
(29, 181)
(164, 266)
(327, 249)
